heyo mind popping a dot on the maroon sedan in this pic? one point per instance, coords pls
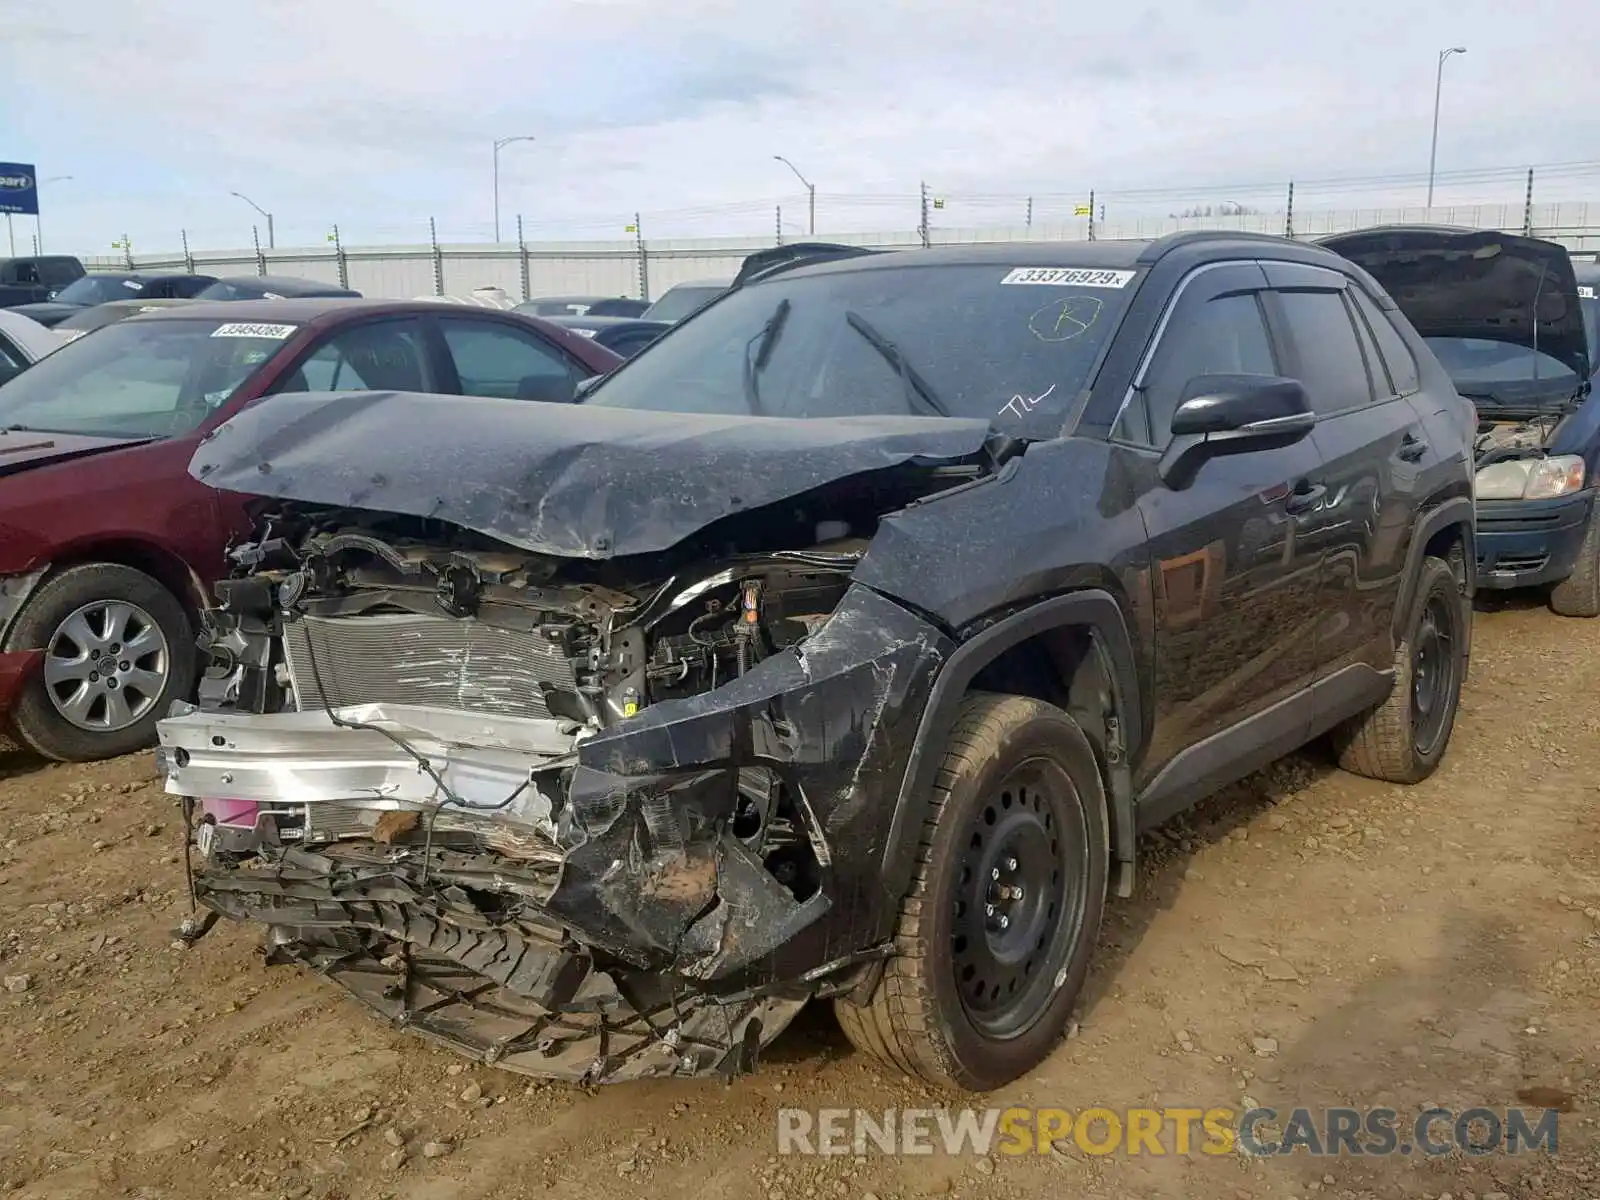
(108, 548)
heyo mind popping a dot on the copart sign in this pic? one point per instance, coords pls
(19, 189)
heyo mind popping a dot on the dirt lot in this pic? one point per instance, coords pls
(1307, 939)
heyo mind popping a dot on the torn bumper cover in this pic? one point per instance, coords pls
(660, 897)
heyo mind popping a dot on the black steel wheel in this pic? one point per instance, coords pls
(994, 937)
(1435, 668)
(1020, 897)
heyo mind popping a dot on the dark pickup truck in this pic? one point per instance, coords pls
(34, 280)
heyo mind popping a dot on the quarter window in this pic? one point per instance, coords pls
(1328, 357)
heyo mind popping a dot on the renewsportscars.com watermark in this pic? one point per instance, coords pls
(1255, 1132)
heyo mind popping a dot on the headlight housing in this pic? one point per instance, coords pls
(1530, 478)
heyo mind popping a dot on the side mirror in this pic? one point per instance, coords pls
(1233, 414)
(585, 386)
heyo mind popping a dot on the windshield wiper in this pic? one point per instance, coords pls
(764, 341)
(910, 378)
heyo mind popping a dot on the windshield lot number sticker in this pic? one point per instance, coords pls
(1068, 277)
(240, 329)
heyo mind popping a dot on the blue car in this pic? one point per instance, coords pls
(1520, 350)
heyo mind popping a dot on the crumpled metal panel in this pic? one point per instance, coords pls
(564, 480)
(835, 718)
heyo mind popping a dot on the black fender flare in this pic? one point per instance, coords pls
(1093, 609)
(1458, 510)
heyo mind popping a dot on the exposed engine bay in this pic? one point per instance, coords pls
(1518, 437)
(579, 819)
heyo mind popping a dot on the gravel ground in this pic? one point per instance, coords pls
(1306, 939)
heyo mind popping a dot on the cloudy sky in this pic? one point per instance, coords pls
(379, 115)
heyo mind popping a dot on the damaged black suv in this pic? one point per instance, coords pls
(838, 646)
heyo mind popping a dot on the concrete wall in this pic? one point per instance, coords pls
(618, 268)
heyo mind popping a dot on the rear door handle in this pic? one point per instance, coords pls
(1305, 497)
(1412, 448)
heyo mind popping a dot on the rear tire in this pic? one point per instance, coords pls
(993, 940)
(1403, 739)
(119, 648)
(1578, 595)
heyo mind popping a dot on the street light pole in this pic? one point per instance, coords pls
(499, 145)
(1438, 88)
(811, 192)
(272, 239)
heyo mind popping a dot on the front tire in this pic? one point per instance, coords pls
(1578, 595)
(994, 938)
(118, 649)
(1403, 739)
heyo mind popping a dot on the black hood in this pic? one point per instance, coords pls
(1465, 283)
(566, 480)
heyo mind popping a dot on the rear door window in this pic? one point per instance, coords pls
(1397, 357)
(1324, 352)
(496, 359)
(57, 272)
(387, 356)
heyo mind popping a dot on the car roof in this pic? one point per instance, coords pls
(1113, 254)
(574, 299)
(327, 310)
(291, 309)
(278, 281)
(35, 340)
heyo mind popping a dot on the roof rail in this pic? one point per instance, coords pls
(795, 254)
(1168, 242)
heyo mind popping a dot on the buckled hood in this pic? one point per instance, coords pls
(1463, 283)
(565, 480)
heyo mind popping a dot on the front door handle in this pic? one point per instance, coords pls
(1412, 448)
(1305, 497)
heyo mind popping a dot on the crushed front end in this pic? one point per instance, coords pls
(591, 821)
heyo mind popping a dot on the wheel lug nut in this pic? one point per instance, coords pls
(988, 910)
(1016, 893)
(995, 873)
(1005, 922)
(1011, 864)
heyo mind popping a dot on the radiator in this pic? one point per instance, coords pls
(406, 658)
